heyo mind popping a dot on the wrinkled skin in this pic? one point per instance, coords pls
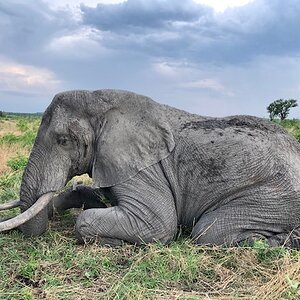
(231, 179)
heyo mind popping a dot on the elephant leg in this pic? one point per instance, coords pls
(144, 212)
(80, 197)
(232, 226)
(114, 225)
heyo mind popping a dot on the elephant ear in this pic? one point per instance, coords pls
(134, 135)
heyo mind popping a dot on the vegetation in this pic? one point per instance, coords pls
(53, 266)
(281, 108)
(292, 126)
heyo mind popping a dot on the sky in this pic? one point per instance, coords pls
(210, 57)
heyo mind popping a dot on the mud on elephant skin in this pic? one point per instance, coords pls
(232, 179)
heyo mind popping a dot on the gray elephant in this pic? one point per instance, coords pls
(231, 180)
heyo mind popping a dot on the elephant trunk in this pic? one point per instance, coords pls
(30, 192)
(41, 176)
(34, 196)
(37, 189)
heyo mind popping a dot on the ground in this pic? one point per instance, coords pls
(54, 266)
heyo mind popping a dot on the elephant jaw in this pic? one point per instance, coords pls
(28, 214)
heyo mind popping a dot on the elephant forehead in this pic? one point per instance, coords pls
(71, 101)
(66, 122)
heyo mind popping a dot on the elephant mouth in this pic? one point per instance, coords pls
(25, 216)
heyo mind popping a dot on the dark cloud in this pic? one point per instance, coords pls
(173, 29)
(263, 27)
(184, 29)
(141, 14)
(176, 51)
(26, 26)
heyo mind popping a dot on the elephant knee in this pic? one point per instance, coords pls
(84, 229)
(97, 225)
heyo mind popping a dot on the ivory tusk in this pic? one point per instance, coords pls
(32, 211)
(5, 219)
(12, 204)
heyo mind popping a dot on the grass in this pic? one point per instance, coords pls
(292, 126)
(54, 266)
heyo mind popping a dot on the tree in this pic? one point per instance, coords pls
(273, 110)
(281, 108)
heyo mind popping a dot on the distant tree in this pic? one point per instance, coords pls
(281, 108)
(273, 110)
(2, 114)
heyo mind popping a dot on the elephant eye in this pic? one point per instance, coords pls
(63, 141)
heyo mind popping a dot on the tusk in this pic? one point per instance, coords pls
(32, 211)
(12, 204)
(5, 219)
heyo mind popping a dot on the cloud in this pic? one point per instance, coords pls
(26, 26)
(134, 14)
(93, 3)
(172, 29)
(206, 83)
(263, 27)
(189, 77)
(221, 6)
(176, 51)
(84, 43)
(194, 32)
(165, 69)
(16, 77)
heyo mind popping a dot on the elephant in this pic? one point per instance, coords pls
(231, 180)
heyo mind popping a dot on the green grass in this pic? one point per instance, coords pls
(28, 126)
(54, 266)
(18, 162)
(292, 126)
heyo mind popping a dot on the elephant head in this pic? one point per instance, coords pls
(111, 135)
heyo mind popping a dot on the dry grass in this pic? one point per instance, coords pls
(9, 127)
(8, 151)
(54, 267)
(286, 276)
